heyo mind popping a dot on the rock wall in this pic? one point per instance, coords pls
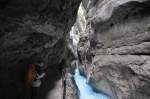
(32, 32)
(115, 46)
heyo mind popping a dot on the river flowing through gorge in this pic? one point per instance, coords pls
(85, 90)
(80, 80)
(75, 49)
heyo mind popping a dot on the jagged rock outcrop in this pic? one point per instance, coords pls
(116, 40)
(33, 31)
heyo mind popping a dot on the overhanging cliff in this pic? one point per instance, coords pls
(33, 32)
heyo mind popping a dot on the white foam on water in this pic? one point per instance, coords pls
(85, 90)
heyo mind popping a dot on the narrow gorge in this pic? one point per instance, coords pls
(75, 49)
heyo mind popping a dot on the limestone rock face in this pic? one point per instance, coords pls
(31, 32)
(114, 46)
(116, 40)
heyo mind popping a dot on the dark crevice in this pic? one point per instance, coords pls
(139, 54)
(64, 89)
(4, 3)
(147, 40)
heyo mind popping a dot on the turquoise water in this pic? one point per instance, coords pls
(85, 90)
